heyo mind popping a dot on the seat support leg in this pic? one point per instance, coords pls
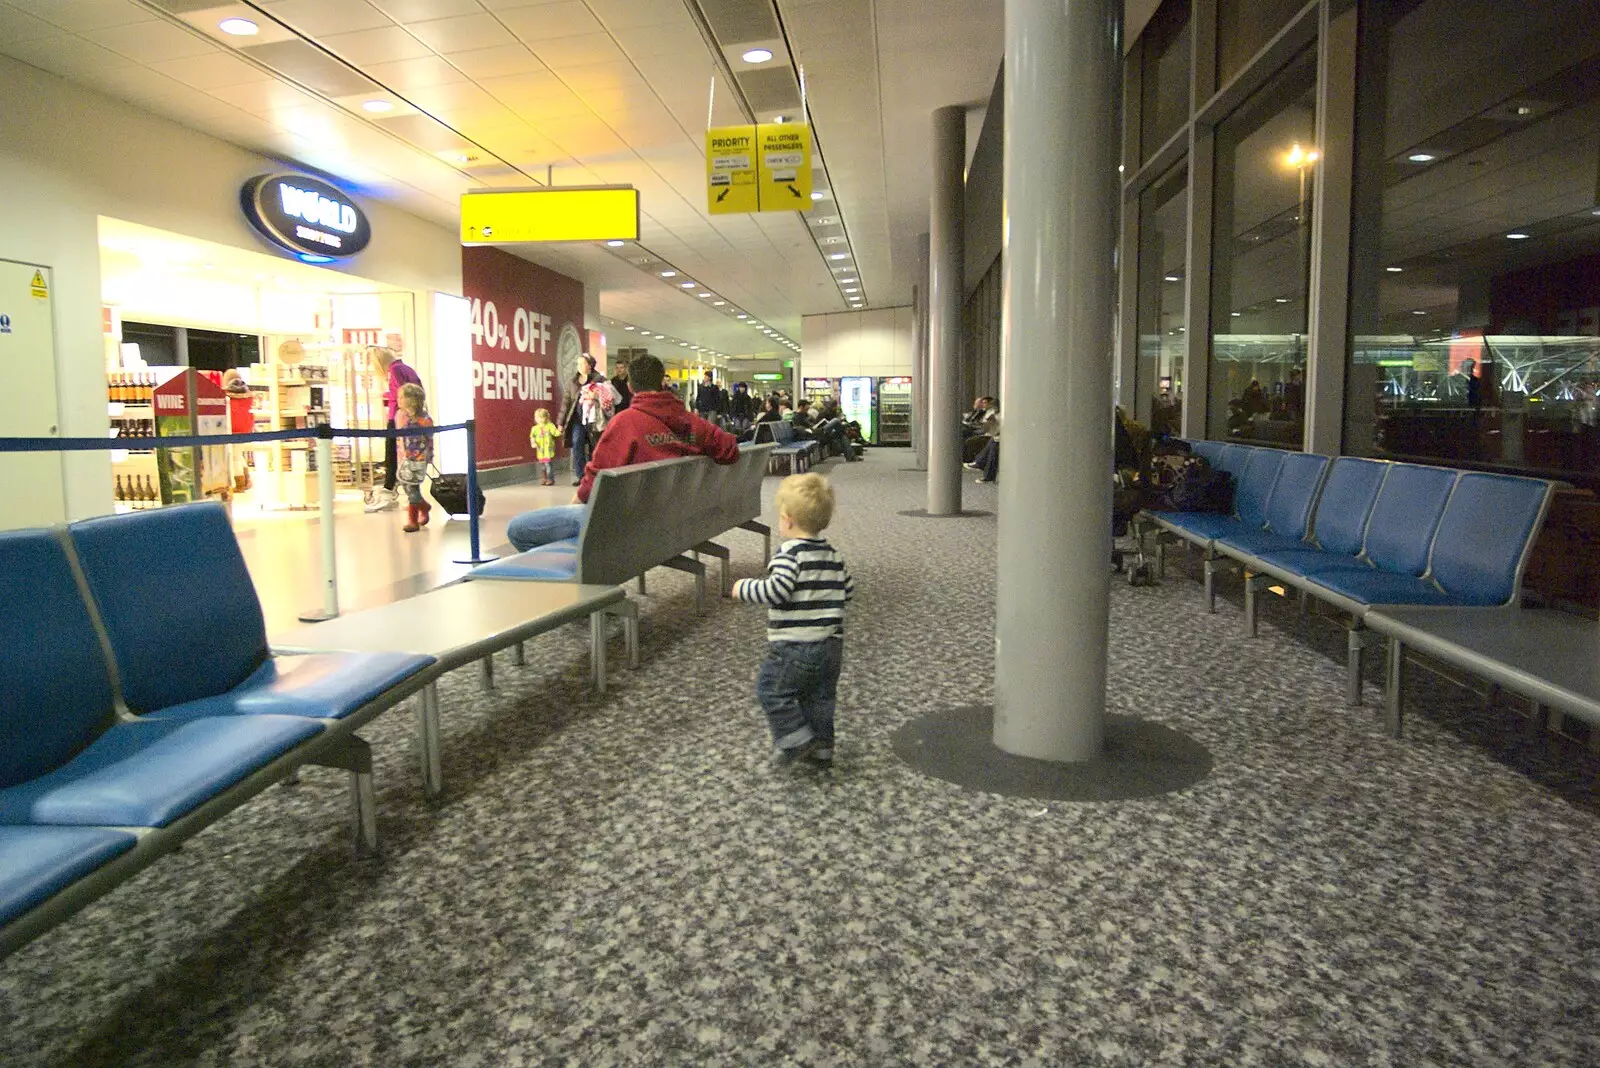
(428, 740)
(755, 526)
(1356, 643)
(519, 654)
(628, 612)
(711, 548)
(1394, 690)
(1213, 564)
(355, 756)
(598, 625)
(486, 667)
(641, 586)
(698, 570)
(1253, 584)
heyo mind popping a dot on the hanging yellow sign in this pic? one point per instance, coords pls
(785, 158)
(731, 170)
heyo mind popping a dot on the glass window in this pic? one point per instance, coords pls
(1244, 26)
(1475, 277)
(1164, 96)
(1261, 237)
(1163, 225)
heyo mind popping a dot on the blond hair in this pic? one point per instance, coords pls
(807, 500)
(412, 397)
(541, 415)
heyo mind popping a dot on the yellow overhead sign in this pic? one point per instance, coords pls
(731, 170)
(557, 213)
(758, 168)
(785, 157)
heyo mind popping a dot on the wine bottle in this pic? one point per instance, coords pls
(119, 494)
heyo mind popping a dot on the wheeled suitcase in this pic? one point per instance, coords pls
(450, 493)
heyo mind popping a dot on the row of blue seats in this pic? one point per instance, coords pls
(792, 452)
(139, 702)
(1357, 533)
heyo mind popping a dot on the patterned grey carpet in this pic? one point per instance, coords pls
(626, 881)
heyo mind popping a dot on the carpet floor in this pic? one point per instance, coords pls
(626, 880)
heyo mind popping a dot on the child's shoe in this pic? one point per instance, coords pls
(411, 520)
(423, 511)
(797, 754)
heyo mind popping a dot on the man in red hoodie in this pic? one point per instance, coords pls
(654, 426)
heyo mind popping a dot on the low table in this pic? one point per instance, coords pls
(462, 623)
(1550, 657)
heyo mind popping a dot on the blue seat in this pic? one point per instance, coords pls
(1288, 510)
(318, 685)
(1253, 486)
(149, 773)
(36, 862)
(1340, 523)
(1369, 586)
(1484, 536)
(1404, 517)
(55, 685)
(159, 608)
(1232, 458)
(1210, 451)
(536, 565)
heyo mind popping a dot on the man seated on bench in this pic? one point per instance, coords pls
(654, 426)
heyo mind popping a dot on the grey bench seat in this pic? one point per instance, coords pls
(1551, 657)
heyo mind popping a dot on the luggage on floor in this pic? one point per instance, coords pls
(450, 491)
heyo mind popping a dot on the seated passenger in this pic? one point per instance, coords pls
(654, 426)
(976, 425)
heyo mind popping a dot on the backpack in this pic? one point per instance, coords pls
(1200, 487)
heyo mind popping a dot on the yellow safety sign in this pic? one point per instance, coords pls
(785, 158)
(553, 213)
(731, 170)
(39, 287)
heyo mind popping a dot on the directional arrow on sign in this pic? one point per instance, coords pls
(723, 195)
(796, 193)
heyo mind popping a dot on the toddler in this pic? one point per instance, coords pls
(412, 411)
(543, 437)
(805, 591)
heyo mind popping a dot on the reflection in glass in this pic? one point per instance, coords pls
(1164, 96)
(1244, 26)
(1468, 345)
(1265, 167)
(1163, 222)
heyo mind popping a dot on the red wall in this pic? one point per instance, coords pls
(540, 314)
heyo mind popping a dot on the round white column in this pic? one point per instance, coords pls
(1061, 208)
(947, 240)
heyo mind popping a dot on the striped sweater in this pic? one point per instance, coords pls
(805, 591)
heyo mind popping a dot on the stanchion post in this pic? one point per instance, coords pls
(475, 546)
(330, 565)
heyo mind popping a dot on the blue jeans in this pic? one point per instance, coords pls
(578, 438)
(542, 526)
(798, 687)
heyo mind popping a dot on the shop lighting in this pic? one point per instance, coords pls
(669, 274)
(376, 106)
(1517, 237)
(307, 257)
(238, 27)
(615, 244)
(758, 55)
(1421, 157)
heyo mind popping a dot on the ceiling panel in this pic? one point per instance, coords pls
(565, 18)
(461, 33)
(499, 62)
(387, 44)
(82, 15)
(17, 26)
(321, 18)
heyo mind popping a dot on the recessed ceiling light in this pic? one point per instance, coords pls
(1281, 300)
(683, 344)
(780, 119)
(1394, 270)
(239, 27)
(376, 106)
(685, 285)
(669, 274)
(718, 303)
(627, 328)
(838, 255)
(1237, 314)
(703, 296)
(1517, 237)
(615, 244)
(1523, 109)
(1419, 311)
(660, 336)
(1171, 278)
(852, 290)
(758, 55)
(742, 315)
(1421, 157)
(818, 194)
(452, 156)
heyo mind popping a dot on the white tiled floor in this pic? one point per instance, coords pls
(377, 563)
